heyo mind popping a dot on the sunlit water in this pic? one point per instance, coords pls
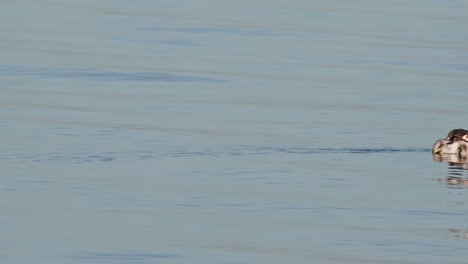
(232, 132)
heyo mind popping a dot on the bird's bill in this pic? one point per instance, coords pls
(437, 151)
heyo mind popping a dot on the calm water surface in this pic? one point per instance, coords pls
(233, 132)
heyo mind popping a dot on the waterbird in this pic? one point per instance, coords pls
(457, 147)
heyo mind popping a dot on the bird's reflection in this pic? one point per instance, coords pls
(457, 169)
(459, 233)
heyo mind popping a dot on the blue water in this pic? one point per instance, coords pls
(234, 132)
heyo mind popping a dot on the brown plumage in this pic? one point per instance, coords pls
(457, 134)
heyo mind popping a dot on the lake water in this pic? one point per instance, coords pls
(231, 132)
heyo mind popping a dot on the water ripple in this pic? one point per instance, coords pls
(221, 30)
(93, 74)
(86, 157)
(123, 257)
(364, 150)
